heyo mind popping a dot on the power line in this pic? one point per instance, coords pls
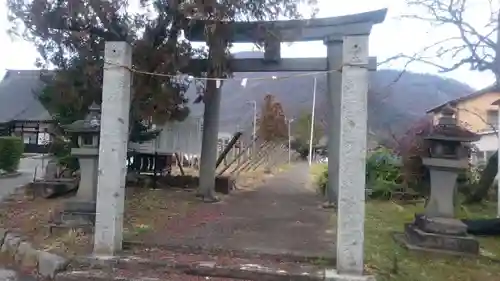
(243, 80)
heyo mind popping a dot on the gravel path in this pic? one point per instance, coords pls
(282, 217)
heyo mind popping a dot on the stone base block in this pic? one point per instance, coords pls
(74, 206)
(51, 188)
(75, 214)
(333, 275)
(447, 226)
(415, 237)
(223, 184)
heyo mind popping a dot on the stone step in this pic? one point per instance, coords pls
(117, 268)
(98, 275)
(95, 275)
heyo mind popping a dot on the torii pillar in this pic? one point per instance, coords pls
(348, 90)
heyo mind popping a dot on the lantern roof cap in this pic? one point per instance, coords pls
(448, 129)
(90, 124)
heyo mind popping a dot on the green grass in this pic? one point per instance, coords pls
(388, 261)
(315, 170)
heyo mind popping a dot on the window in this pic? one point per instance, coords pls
(492, 118)
(30, 138)
(87, 140)
(43, 138)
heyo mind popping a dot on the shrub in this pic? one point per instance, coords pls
(11, 150)
(383, 174)
(61, 149)
(322, 179)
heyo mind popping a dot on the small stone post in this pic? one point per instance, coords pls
(113, 148)
(352, 156)
(334, 82)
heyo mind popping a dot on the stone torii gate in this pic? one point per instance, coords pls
(346, 38)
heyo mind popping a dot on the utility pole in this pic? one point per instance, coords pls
(254, 134)
(289, 121)
(312, 123)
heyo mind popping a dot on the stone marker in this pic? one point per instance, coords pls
(113, 148)
(352, 156)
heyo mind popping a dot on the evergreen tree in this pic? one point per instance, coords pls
(301, 130)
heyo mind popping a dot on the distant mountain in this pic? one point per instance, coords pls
(395, 100)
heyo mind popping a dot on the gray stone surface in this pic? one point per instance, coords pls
(441, 225)
(22, 249)
(352, 156)
(208, 156)
(442, 242)
(51, 170)
(334, 52)
(113, 149)
(8, 275)
(27, 256)
(49, 264)
(11, 275)
(88, 178)
(10, 244)
(441, 201)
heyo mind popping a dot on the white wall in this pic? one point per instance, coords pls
(184, 137)
(486, 146)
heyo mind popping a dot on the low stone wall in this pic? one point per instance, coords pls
(17, 250)
(223, 184)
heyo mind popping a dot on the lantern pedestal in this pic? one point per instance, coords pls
(437, 230)
(443, 174)
(80, 211)
(439, 235)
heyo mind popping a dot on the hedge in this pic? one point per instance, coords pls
(11, 150)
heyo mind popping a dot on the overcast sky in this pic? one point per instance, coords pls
(394, 36)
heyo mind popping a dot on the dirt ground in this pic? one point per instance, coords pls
(145, 208)
(152, 215)
(257, 220)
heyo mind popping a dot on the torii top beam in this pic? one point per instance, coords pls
(293, 30)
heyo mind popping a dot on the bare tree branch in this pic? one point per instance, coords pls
(471, 46)
(492, 127)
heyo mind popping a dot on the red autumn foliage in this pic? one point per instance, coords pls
(412, 149)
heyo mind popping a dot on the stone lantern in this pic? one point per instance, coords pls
(437, 229)
(87, 132)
